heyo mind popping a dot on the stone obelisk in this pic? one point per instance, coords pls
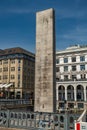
(45, 88)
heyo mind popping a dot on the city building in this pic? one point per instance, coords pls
(17, 72)
(71, 77)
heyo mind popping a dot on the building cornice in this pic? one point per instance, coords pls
(67, 51)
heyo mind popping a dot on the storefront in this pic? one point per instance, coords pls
(6, 91)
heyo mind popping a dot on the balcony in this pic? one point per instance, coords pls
(62, 80)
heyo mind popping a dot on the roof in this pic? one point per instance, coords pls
(15, 50)
(73, 49)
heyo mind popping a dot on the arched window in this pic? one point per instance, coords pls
(70, 93)
(61, 92)
(80, 93)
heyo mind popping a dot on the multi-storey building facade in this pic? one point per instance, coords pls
(17, 70)
(71, 77)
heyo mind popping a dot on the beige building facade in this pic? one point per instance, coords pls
(17, 70)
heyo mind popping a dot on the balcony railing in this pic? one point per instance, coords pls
(62, 80)
(14, 101)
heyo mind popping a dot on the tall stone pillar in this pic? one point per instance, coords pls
(75, 93)
(45, 84)
(85, 93)
(66, 94)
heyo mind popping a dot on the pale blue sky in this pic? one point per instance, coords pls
(18, 22)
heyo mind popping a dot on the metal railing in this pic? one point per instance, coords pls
(37, 120)
(62, 80)
(15, 101)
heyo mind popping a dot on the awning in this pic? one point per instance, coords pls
(1, 85)
(8, 85)
(5, 85)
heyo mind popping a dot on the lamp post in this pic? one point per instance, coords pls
(66, 120)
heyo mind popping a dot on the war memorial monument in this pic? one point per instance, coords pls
(45, 88)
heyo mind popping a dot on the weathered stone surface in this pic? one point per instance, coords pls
(45, 62)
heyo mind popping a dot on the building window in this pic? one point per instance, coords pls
(12, 76)
(5, 76)
(65, 60)
(65, 68)
(18, 84)
(18, 94)
(0, 69)
(18, 77)
(19, 61)
(82, 67)
(12, 68)
(74, 68)
(0, 62)
(57, 69)
(83, 76)
(65, 77)
(5, 62)
(5, 69)
(57, 79)
(12, 61)
(19, 68)
(82, 58)
(73, 59)
(57, 61)
(80, 105)
(61, 105)
(0, 77)
(73, 76)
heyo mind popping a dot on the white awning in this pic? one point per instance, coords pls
(8, 85)
(1, 85)
(5, 85)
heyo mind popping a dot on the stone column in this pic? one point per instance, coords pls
(45, 73)
(57, 94)
(56, 97)
(66, 94)
(85, 93)
(75, 96)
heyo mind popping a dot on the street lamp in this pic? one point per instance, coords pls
(66, 120)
